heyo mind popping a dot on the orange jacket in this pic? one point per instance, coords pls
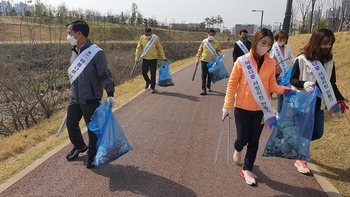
(238, 86)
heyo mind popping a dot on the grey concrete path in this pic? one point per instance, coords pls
(175, 134)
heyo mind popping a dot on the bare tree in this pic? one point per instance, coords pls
(304, 7)
(344, 5)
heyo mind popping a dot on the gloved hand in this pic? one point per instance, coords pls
(111, 101)
(165, 59)
(343, 106)
(309, 86)
(288, 91)
(226, 112)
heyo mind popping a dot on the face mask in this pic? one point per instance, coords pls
(210, 37)
(72, 40)
(324, 51)
(262, 50)
(280, 43)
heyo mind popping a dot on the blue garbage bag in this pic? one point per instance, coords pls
(295, 125)
(217, 70)
(165, 78)
(111, 143)
(286, 77)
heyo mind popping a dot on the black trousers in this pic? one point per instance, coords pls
(249, 127)
(206, 81)
(152, 66)
(74, 114)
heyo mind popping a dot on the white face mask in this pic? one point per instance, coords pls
(280, 43)
(261, 50)
(72, 40)
(210, 37)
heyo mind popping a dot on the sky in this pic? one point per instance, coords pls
(188, 11)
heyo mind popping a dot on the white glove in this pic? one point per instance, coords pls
(111, 101)
(226, 112)
(309, 86)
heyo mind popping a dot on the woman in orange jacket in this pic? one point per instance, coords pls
(250, 84)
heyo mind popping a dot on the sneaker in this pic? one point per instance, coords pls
(237, 157)
(204, 92)
(153, 91)
(302, 167)
(74, 153)
(248, 176)
(147, 85)
(90, 162)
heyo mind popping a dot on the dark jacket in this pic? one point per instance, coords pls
(237, 52)
(88, 86)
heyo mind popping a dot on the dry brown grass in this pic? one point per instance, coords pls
(331, 153)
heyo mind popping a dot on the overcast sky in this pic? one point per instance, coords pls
(188, 11)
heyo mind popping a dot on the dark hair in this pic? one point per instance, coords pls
(212, 31)
(81, 26)
(260, 34)
(281, 34)
(243, 30)
(312, 50)
(148, 29)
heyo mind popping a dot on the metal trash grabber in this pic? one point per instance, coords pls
(61, 128)
(195, 70)
(228, 140)
(133, 68)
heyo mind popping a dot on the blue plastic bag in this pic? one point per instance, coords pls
(295, 125)
(165, 78)
(217, 70)
(111, 143)
(286, 77)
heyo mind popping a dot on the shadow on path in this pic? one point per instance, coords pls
(180, 95)
(130, 178)
(289, 190)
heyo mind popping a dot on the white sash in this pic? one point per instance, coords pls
(242, 46)
(323, 81)
(149, 45)
(280, 59)
(257, 88)
(210, 48)
(81, 62)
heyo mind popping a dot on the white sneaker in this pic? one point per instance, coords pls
(302, 166)
(237, 157)
(249, 177)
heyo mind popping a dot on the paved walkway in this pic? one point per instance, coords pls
(175, 134)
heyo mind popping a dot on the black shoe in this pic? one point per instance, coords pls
(74, 153)
(204, 92)
(147, 85)
(209, 90)
(153, 91)
(90, 162)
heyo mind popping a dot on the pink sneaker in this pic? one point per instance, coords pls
(237, 157)
(302, 166)
(249, 177)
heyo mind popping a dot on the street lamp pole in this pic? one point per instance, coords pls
(262, 16)
(312, 14)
